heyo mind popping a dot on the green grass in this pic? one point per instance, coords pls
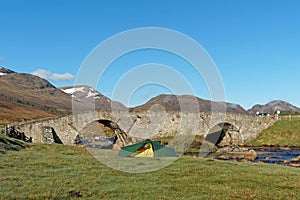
(58, 171)
(282, 133)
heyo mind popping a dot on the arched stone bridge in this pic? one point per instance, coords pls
(147, 124)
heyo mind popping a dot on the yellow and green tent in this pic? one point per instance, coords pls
(147, 148)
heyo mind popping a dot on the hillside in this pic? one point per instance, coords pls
(273, 106)
(25, 97)
(172, 103)
(282, 133)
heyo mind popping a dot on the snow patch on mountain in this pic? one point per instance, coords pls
(82, 92)
(5, 71)
(73, 90)
(92, 93)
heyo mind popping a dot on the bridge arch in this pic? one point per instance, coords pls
(98, 128)
(103, 129)
(224, 133)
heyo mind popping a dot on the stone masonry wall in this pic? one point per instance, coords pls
(148, 124)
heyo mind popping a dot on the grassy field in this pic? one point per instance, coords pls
(66, 172)
(282, 133)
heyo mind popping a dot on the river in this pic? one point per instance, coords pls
(276, 156)
(281, 156)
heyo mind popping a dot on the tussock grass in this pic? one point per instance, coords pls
(66, 172)
(10, 144)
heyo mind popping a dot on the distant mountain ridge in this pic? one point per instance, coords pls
(26, 96)
(273, 106)
(190, 103)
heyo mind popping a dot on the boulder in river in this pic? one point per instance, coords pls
(286, 162)
(294, 165)
(250, 155)
(295, 160)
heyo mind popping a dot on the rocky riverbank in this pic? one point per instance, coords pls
(282, 156)
(236, 153)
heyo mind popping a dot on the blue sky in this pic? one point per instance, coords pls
(255, 44)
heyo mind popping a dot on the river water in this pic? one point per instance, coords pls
(266, 155)
(276, 156)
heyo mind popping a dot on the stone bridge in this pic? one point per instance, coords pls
(149, 124)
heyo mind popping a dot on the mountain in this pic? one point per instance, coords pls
(87, 98)
(4, 71)
(25, 96)
(189, 103)
(273, 106)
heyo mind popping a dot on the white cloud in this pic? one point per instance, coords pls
(62, 77)
(42, 73)
(52, 76)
